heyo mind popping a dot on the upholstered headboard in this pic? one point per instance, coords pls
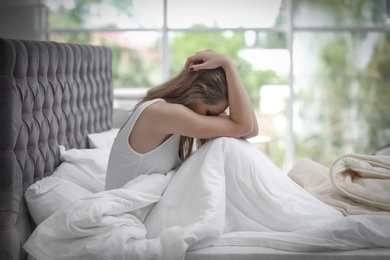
(51, 94)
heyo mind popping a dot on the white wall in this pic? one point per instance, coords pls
(22, 19)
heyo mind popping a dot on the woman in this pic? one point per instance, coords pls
(158, 137)
(171, 115)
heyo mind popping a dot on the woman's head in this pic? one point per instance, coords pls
(193, 88)
(205, 92)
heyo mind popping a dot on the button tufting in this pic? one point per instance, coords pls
(51, 94)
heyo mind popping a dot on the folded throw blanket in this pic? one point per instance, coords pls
(355, 184)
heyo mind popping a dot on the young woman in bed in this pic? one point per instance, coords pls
(171, 115)
(159, 136)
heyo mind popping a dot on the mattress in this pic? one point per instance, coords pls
(262, 253)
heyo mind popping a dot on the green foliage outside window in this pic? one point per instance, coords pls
(343, 106)
(348, 99)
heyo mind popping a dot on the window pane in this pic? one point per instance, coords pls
(339, 12)
(78, 14)
(263, 64)
(136, 55)
(342, 94)
(225, 14)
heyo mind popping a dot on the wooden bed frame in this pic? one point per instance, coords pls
(51, 94)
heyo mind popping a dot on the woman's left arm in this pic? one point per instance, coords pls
(241, 112)
(255, 130)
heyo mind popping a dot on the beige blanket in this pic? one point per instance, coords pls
(355, 183)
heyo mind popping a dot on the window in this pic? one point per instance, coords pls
(315, 70)
(341, 82)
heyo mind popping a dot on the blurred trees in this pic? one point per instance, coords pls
(341, 104)
(346, 105)
(131, 70)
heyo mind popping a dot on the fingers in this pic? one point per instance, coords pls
(188, 64)
(193, 60)
(206, 59)
(197, 67)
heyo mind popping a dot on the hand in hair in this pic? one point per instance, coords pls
(207, 59)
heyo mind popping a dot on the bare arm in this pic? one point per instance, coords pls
(167, 118)
(162, 119)
(240, 107)
(255, 130)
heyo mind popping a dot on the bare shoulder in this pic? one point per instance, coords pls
(162, 113)
(166, 105)
(169, 118)
(150, 128)
(163, 108)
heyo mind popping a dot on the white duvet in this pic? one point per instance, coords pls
(227, 193)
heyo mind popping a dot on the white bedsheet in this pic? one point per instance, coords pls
(227, 193)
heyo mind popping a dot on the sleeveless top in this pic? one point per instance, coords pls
(125, 164)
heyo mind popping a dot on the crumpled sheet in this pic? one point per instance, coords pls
(227, 193)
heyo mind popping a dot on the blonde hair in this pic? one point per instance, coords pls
(207, 86)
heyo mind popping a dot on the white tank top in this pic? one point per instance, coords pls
(125, 164)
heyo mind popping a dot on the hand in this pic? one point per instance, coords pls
(206, 59)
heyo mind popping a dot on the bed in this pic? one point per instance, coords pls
(56, 119)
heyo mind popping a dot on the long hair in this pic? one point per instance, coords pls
(208, 86)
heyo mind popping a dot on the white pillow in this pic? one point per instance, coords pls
(81, 173)
(85, 167)
(50, 194)
(103, 139)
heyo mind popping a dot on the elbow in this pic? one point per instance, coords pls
(255, 132)
(250, 132)
(255, 128)
(246, 129)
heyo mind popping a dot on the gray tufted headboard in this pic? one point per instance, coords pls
(50, 94)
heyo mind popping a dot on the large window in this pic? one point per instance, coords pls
(316, 70)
